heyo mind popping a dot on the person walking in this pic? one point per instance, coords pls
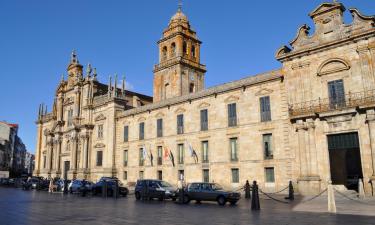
(247, 190)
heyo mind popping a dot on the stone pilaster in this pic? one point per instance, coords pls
(370, 118)
(366, 67)
(309, 180)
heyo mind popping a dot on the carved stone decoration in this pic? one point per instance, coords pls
(264, 91)
(159, 115)
(360, 21)
(100, 117)
(99, 145)
(302, 35)
(231, 98)
(180, 110)
(204, 105)
(141, 119)
(333, 66)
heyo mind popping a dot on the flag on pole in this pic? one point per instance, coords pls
(144, 152)
(171, 157)
(151, 157)
(166, 153)
(193, 153)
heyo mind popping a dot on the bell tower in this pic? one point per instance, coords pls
(179, 71)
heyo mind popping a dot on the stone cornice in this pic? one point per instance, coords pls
(179, 60)
(303, 52)
(239, 84)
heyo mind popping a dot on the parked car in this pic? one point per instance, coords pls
(110, 182)
(77, 185)
(210, 192)
(157, 189)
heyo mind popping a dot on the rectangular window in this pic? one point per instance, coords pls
(235, 176)
(181, 175)
(233, 149)
(206, 176)
(160, 175)
(180, 124)
(126, 133)
(270, 175)
(70, 117)
(232, 115)
(126, 158)
(267, 146)
(159, 128)
(99, 158)
(205, 151)
(160, 155)
(204, 120)
(100, 131)
(265, 109)
(141, 159)
(141, 175)
(125, 175)
(180, 153)
(142, 131)
(336, 94)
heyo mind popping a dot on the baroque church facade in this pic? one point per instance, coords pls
(310, 121)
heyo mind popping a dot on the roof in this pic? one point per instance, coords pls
(248, 81)
(14, 125)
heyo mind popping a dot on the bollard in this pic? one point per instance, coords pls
(291, 191)
(255, 205)
(331, 198)
(247, 190)
(361, 191)
(104, 189)
(115, 189)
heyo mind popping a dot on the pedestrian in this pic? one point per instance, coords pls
(247, 190)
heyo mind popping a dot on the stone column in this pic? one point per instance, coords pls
(370, 118)
(313, 159)
(301, 130)
(74, 153)
(366, 67)
(59, 145)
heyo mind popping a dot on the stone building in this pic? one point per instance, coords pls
(310, 121)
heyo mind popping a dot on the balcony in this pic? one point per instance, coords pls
(350, 100)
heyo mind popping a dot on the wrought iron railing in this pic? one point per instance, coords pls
(350, 100)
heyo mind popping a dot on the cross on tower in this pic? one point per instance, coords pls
(180, 5)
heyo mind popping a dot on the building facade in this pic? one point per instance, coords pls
(12, 150)
(310, 121)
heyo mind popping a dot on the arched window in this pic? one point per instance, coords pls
(164, 53)
(193, 50)
(173, 49)
(184, 48)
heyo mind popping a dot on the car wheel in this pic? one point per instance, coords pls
(186, 199)
(174, 199)
(221, 200)
(137, 196)
(233, 202)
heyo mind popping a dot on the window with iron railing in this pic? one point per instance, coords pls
(204, 120)
(180, 124)
(233, 149)
(99, 158)
(141, 159)
(267, 146)
(126, 158)
(180, 148)
(205, 151)
(235, 176)
(265, 109)
(142, 131)
(126, 133)
(336, 94)
(232, 115)
(206, 175)
(159, 128)
(160, 155)
(100, 131)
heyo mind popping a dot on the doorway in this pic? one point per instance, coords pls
(345, 160)
(66, 169)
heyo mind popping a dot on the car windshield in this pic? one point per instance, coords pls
(216, 187)
(165, 184)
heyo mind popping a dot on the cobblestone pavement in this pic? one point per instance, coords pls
(19, 207)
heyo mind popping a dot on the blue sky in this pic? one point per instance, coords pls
(240, 38)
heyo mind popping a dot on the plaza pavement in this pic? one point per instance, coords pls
(19, 207)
